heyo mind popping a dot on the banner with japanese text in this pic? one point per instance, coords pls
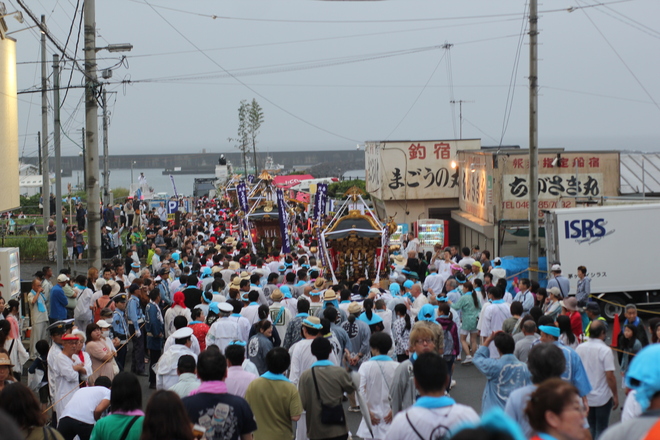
(414, 169)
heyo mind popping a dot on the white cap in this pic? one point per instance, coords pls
(225, 307)
(184, 332)
(103, 323)
(62, 278)
(158, 278)
(555, 268)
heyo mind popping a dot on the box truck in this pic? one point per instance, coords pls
(617, 244)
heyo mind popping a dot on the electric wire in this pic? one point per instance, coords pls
(245, 85)
(479, 129)
(27, 122)
(631, 22)
(288, 67)
(80, 21)
(450, 81)
(402, 20)
(418, 96)
(639, 82)
(508, 106)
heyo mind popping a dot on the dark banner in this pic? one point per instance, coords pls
(281, 209)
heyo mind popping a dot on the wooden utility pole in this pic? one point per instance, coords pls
(533, 143)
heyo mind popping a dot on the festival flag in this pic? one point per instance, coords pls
(283, 217)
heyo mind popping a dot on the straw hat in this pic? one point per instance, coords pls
(319, 283)
(329, 295)
(276, 295)
(234, 265)
(354, 307)
(5, 361)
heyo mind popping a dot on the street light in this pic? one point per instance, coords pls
(18, 15)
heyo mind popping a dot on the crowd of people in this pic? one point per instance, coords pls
(237, 344)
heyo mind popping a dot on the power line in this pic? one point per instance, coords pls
(480, 130)
(622, 60)
(450, 81)
(303, 65)
(66, 93)
(48, 35)
(308, 40)
(245, 85)
(402, 20)
(508, 106)
(631, 22)
(418, 95)
(287, 67)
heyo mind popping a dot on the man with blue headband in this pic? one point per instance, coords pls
(643, 376)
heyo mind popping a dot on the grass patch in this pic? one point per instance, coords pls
(31, 248)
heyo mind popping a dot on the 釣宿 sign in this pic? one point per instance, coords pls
(414, 169)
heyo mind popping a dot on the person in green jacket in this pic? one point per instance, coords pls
(469, 306)
(125, 422)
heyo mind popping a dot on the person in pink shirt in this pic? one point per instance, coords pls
(237, 378)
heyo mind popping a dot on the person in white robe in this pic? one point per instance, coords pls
(166, 368)
(66, 372)
(225, 329)
(376, 377)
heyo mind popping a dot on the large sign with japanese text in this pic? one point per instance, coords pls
(502, 192)
(583, 175)
(414, 169)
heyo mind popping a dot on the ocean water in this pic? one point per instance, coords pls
(121, 178)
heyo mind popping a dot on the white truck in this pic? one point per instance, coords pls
(617, 244)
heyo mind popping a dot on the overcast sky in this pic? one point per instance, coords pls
(329, 75)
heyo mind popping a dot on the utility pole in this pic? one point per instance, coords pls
(58, 164)
(106, 159)
(84, 160)
(533, 143)
(45, 169)
(91, 144)
(460, 114)
(39, 149)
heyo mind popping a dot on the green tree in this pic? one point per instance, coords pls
(255, 119)
(336, 190)
(120, 193)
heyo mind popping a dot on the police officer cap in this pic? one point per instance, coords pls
(57, 328)
(182, 333)
(225, 307)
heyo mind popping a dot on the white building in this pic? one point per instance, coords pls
(29, 180)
